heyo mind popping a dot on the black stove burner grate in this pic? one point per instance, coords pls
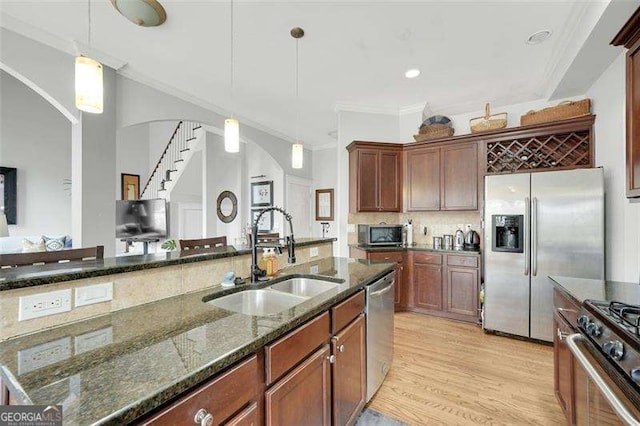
(626, 314)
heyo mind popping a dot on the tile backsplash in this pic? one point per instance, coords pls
(437, 223)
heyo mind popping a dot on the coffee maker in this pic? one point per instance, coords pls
(471, 239)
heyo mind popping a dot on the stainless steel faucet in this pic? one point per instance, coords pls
(256, 272)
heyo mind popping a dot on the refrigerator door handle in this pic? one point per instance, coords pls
(534, 237)
(527, 206)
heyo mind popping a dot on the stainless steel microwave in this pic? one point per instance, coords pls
(380, 235)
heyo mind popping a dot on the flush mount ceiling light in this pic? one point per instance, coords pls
(144, 13)
(539, 36)
(297, 151)
(412, 73)
(231, 125)
(88, 78)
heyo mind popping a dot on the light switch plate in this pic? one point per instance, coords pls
(313, 252)
(314, 269)
(91, 294)
(44, 304)
(93, 340)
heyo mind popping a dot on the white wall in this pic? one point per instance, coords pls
(35, 138)
(324, 177)
(259, 162)
(622, 215)
(132, 148)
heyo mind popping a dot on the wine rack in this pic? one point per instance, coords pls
(551, 151)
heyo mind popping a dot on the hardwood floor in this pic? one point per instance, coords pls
(451, 373)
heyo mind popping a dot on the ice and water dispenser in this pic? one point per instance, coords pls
(508, 233)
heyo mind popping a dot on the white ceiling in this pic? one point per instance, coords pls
(353, 55)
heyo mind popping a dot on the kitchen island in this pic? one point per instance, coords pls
(117, 368)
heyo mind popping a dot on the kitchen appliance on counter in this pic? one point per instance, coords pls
(607, 363)
(379, 310)
(471, 239)
(458, 239)
(539, 224)
(380, 235)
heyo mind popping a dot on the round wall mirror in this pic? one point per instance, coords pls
(227, 206)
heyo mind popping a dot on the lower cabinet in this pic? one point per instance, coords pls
(349, 372)
(563, 367)
(446, 285)
(302, 397)
(389, 256)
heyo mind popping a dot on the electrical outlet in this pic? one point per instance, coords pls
(313, 251)
(314, 269)
(93, 340)
(91, 294)
(42, 355)
(44, 304)
(351, 227)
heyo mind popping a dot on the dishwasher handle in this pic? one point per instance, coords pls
(381, 292)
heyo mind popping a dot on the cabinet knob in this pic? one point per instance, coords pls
(203, 418)
(341, 348)
(332, 359)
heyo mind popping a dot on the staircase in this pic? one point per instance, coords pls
(172, 161)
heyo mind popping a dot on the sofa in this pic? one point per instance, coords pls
(14, 244)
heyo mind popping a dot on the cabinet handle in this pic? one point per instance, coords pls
(203, 418)
(560, 334)
(332, 359)
(341, 348)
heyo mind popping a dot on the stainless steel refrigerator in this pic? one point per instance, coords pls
(537, 225)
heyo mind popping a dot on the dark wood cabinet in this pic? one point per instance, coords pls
(446, 285)
(629, 37)
(563, 367)
(302, 397)
(219, 398)
(349, 374)
(375, 176)
(247, 417)
(442, 177)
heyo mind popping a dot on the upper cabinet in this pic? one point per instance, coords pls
(375, 177)
(629, 37)
(443, 177)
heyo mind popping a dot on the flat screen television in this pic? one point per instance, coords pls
(141, 219)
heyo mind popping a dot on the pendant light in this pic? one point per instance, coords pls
(89, 87)
(297, 151)
(231, 125)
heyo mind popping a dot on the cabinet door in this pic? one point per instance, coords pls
(633, 121)
(423, 179)
(397, 301)
(462, 291)
(303, 397)
(389, 183)
(427, 280)
(368, 180)
(563, 367)
(349, 374)
(459, 177)
(247, 417)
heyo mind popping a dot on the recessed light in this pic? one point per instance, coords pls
(412, 73)
(539, 36)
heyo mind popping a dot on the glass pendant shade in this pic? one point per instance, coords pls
(297, 156)
(89, 89)
(231, 135)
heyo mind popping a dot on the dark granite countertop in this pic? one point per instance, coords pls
(115, 368)
(28, 276)
(581, 289)
(415, 247)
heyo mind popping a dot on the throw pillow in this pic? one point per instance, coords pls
(54, 243)
(29, 246)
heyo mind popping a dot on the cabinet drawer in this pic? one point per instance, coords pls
(285, 353)
(424, 257)
(391, 256)
(221, 397)
(566, 308)
(248, 417)
(343, 313)
(468, 261)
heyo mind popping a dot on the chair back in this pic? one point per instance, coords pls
(203, 243)
(266, 238)
(22, 259)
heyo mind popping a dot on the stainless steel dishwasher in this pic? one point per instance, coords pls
(379, 309)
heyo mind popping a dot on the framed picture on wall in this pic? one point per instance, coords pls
(262, 193)
(130, 186)
(324, 204)
(8, 198)
(266, 221)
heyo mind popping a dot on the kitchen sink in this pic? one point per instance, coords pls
(258, 302)
(305, 287)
